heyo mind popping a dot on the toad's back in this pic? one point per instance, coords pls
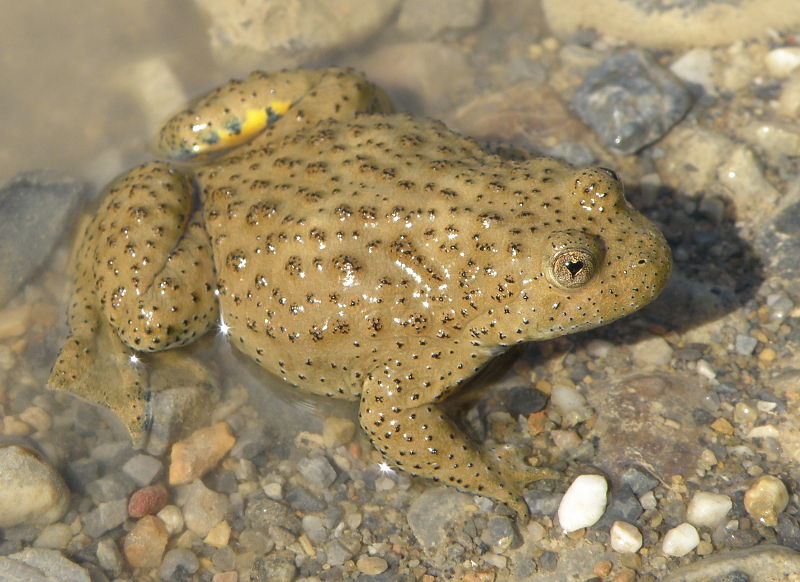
(345, 243)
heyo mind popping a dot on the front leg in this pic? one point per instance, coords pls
(414, 433)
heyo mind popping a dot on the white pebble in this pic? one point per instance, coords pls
(625, 537)
(680, 540)
(781, 62)
(584, 502)
(653, 351)
(765, 499)
(708, 509)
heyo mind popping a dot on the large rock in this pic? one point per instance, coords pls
(31, 491)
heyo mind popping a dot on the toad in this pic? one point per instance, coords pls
(356, 253)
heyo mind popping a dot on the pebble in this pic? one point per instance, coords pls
(694, 67)
(203, 508)
(219, 535)
(317, 471)
(272, 34)
(108, 556)
(178, 564)
(423, 19)
(371, 565)
(145, 543)
(106, 516)
(433, 512)
(756, 564)
(639, 480)
(55, 536)
(41, 565)
(630, 101)
(110, 487)
(143, 469)
(654, 351)
(765, 499)
(147, 501)
(708, 509)
(196, 455)
(782, 62)
(680, 540)
(584, 503)
(172, 517)
(625, 537)
(745, 344)
(35, 210)
(37, 417)
(31, 490)
(570, 404)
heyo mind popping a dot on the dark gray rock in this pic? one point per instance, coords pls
(317, 471)
(631, 101)
(302, 499)
(639, 480)
(35, 210)
(624, 506)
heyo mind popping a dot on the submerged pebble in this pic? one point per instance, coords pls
(584, 502)
(31, 490)
(765, 499)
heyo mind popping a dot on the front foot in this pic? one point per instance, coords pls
(424, 442)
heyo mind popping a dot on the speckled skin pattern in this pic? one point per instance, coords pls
(375, 256)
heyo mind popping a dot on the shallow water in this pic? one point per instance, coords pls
(85, 85)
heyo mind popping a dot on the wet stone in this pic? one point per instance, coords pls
(35, 210)
(314, 529)
(203, 508)
(196, 455)
(106, 516)
(371, 565)
(277, 567)
(178, 564)
(523, 400)
(501, 534)
(31, 490)
(145, 543)
(317, 471)
(55, 536)
(301, 499)
(147, 500)
(251, 442)
(260, 514)
(108, 556)
(40, 565)
(434, 512)
(111, 487)
(542, 503)
(631, 101)
(337, 431)
(143, 469)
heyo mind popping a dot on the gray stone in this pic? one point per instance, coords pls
(81, 472)
(143, 469)
(177, 412)
(263, 513)
(314, 529)
(106, 516)
(639, 480)
(111, 487)
(109, 557)
(251, 442)
(759, 564)
(317, 471)
(277, 567)
(203, 508)
(302, 499)
(745, 344)
(623, 506)
(542, 503)
(501, 534)
(434, 512)
(39, 565)
(31, 490)
(35, 209)
(631, 101)
(178, 564)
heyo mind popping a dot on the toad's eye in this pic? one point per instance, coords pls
(572, 268)
(575, 258)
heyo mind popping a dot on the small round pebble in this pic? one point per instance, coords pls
(145, 543)
(654, 351)
(172, 517)
(570, 404)
(371, 565)
(584, 502)
(625, 537)
(147, 500)
(55, 536)
(765, 499)
(680, 540)
(708, 509)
